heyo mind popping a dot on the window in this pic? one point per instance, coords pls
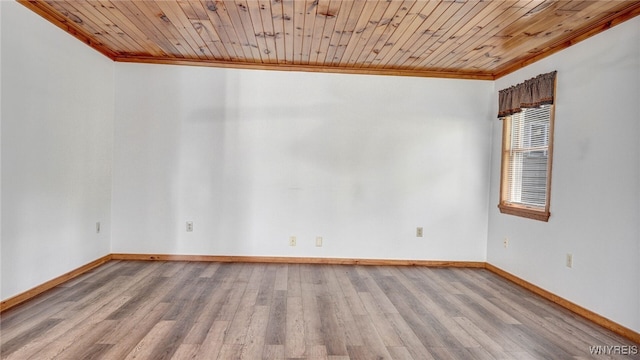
(527, 112)
(526, 163)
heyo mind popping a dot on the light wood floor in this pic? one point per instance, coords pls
(192, 310)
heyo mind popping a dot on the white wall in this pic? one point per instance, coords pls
(595, 200)
(57, 138)
(253, 157)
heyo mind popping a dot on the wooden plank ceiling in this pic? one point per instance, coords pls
(444, 38)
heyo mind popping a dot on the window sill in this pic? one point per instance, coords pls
(525, 212)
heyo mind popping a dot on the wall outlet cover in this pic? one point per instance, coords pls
(569, 260)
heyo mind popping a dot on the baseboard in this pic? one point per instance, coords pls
(298, 260)
(31, 293)
(575, 308)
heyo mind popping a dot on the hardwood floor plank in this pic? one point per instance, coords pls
(409, 338)
(204, 310)
(84, 320)
(547, 325)
(236, 288)
(171, 269)
(316, 352)
(213, 342)
(240, 323)
(498, 331)
(74, 335)
(282, 277)
(267, 285)
(372, 341)
(341, 307)
(369, 303)
(349, 291)
(132, 330)
(41, 306)
(452, 354)
(482, 339)
(387, 333)
(183, 323)
(149, 290)
(95, 352)
(293, 281)
(438, 308)
(27, 337)
(273, 352)
(210, 311)
(482, 354)
(295, 329)
(277, 326)
(353, 274)
(230, 352)
(419, 319)
(210, 270)
(22, 317)
(80, 345)
(150, 344)
(254, 340)
(186, 352)
(381, 299)
(525, 356)
(333, 335)
(255, 279)
(479, 296)
(399, 353)
(311, 315)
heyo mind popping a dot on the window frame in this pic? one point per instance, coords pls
(506, 207)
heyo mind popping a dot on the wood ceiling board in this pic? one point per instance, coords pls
(446, 21)
(277, 15)
(480, 44)
(230, 17)
(95, 23)
(288, 33)
(127, 27)
(446, 38)
(211, 31)
(462, 25)
(627, 13)
(359, 31)
(476, 21)
(383, 33)
(347, 30)
(407, 26)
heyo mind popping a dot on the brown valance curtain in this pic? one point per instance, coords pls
(530, 94)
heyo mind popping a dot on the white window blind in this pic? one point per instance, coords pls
(528, 156)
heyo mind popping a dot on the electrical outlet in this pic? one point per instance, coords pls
(569, 260)
(292, 241)
(319, 241)
(505, 242)
(418, 232)
(189, 226)
(98, 227)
